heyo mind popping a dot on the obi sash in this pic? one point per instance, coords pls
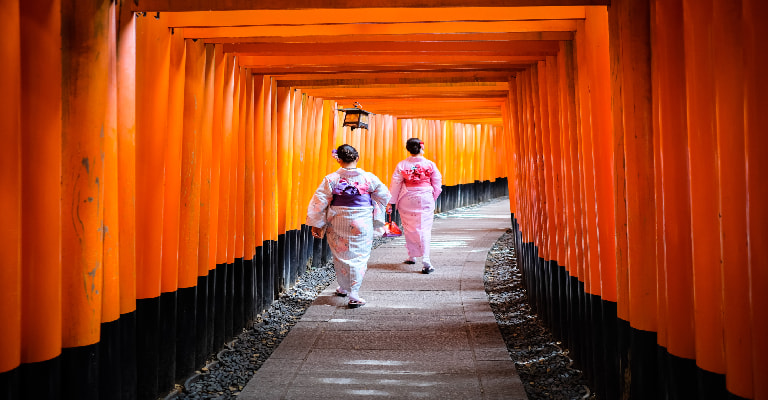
(417, 184)
(347, 194)
(417, 176)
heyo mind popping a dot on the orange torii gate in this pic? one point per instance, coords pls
(158, 160)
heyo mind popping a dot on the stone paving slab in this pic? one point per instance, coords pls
(419, 337)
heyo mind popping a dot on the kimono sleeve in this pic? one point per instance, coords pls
(396, 185)
(436, 181)
(380, 196)
(318, 206)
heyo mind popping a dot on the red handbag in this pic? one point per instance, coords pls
(391, 229)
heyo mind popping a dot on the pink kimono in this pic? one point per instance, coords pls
(416, 183)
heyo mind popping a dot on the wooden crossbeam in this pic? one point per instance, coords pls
(225, 5)
(476, 48)
(293, 17)
(418, 37)
(381, 29)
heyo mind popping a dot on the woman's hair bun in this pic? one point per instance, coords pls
(347, 153)
(413, 145)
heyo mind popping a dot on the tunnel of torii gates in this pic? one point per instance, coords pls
(157, 161)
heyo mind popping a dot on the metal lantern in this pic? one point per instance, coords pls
(355, 117)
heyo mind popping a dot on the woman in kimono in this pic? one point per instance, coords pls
(348, 205)
(416, 183)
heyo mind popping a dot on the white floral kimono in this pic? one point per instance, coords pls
(416, 183)
(350, 204)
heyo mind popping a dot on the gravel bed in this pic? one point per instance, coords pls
(542, 365)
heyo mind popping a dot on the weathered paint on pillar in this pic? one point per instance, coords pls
(85, 74)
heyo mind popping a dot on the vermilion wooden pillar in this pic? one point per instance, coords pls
(225, 84)
(260, 179)
(728, 50)
(231, 137)
(85, 80)
(558, 210)
(592, 303)
(271, 188)
(40, 193)
(638, 152)
(282, 121)
(189, 205)
(675, 194)
(126, 192)
(548, 250)
(595, 47)
(589, 216)
(703, 170)
(755, 30)
(10, 201)
(169, 280)
(603, 140)
(249, 202)
(110, 345)
(206, 249)
(635, 203)
(217, 256)
(152, 65)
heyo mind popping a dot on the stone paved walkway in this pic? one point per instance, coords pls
(419, 337)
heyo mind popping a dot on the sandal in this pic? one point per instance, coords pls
(427, 269)
(341, 293)
(409, 260)
(356, 303)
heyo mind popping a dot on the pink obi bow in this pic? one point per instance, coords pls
(417, 173)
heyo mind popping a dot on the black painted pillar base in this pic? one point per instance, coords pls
(201, 321)
(249, 292)
(186, 332)
(167, 345)
(219, 312)
(258, 281)
(282, 265)
(80, 372)
(238, 297)
(128, 356)
(623, 351)
(39, 380)
(557, 306)
(317, 253)
(210, 327)
(294, 253)
(327, 255)
(110, 381)
(711, 385)
(267, 269)
(597, 370)
(306, 249)
(643, 364)
(610, 327)
(147, 344)
(9, 384)
(229, 297)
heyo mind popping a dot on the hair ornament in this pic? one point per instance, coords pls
(421, 143)
(335, 154)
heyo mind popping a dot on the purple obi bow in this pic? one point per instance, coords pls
(350, 195)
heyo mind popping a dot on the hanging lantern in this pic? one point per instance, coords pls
(355, 117)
